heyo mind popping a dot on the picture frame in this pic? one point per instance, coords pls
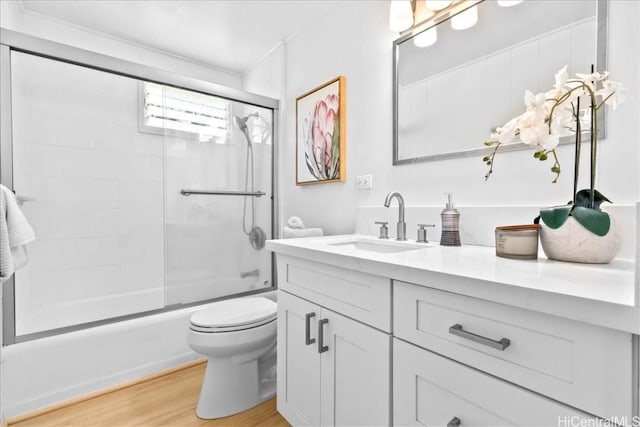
(321, 134)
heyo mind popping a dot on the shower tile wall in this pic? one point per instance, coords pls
(95, 190)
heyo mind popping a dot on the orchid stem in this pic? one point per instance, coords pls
(576, 165)
(594, 145)
(491, 159)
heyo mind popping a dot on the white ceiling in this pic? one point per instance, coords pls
(230, 34)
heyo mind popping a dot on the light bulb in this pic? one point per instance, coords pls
(426, 38)
(508, 3)
(400, 15)
(466, 19)
(437, 4)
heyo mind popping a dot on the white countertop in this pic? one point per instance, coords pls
(592, 293)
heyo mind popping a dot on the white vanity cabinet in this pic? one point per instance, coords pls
(332, 369)
(461, 337)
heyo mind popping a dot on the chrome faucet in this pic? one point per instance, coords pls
(402, 226)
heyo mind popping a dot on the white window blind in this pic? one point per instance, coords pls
(169, 108)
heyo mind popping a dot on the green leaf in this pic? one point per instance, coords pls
(595, 221)
(556, 216)
(583, 198)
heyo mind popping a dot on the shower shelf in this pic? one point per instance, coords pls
(187, 192)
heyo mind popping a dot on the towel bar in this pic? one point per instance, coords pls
(187, 192)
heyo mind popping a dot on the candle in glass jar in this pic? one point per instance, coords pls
(517, 241)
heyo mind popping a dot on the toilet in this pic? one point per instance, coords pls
(238, 337)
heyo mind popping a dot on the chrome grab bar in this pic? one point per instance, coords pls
(187, 192)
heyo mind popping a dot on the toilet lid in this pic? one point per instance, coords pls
(235, 312)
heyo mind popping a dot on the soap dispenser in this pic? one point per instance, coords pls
(450, 224)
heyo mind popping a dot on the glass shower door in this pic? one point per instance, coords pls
(92, 188)
(100, 163)
(215, 235)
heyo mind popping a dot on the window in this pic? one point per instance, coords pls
(168, 110)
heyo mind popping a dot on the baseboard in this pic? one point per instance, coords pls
(102, 392)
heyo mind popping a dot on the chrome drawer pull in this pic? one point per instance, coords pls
(455, 422)
(498, 345)
(307, 329)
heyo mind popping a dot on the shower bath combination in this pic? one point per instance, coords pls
(257, 236)
(119, 243)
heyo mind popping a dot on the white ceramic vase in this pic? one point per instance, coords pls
(573, 243)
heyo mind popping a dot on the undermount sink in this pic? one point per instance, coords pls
(377, 246)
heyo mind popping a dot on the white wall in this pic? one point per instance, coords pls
(14, 17)
(354, 41)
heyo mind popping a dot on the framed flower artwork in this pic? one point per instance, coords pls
(320, 134)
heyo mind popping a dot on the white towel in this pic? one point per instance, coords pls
(15, 232)
(294, 233)
(295, 222)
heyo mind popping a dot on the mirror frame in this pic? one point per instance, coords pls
(600, 65)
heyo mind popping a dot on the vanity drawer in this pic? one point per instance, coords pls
(430, 390)
(355, 294)
(585, 366)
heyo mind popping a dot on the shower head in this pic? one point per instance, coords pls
(241, 123)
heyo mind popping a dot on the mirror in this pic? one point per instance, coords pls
(450, 96)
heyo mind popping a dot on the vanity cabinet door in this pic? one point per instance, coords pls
(298, 361)
(355, 383)
(332, 370)
(430, 390)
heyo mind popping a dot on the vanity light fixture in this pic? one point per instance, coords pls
(419, 18)
(417, 15)
(400, 15)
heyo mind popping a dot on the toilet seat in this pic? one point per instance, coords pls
(234, 315)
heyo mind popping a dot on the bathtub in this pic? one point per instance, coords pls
(49, 370)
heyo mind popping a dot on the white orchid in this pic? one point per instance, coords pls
(550, 115)
(593, 77)
(612, 93)
(559, 88)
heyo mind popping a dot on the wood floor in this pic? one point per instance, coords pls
(168, 400)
